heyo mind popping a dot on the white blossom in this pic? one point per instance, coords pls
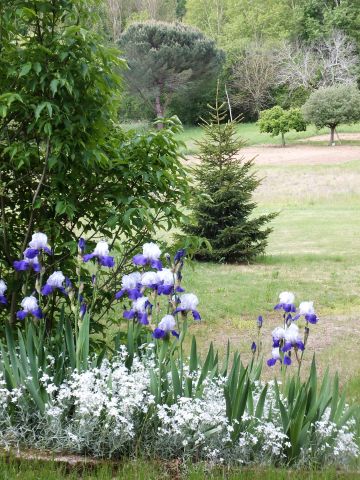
(29, 304)
(130, 281)
(287, 298)
(189, 301)
(101, 249)
(3, 287)
(151, 251)
(167, 323)
(306, 308)
(38, 241)
(56, 279)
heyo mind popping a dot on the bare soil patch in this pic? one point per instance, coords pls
(325, 137)
(298, 154)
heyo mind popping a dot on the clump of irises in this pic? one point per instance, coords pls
(287, 341)
(140, 290)
(147, 287)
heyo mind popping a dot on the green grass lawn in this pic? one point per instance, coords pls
(39, 470)
(314, 251)
(250, 133)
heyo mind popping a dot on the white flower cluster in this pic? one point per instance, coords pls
(108, 410)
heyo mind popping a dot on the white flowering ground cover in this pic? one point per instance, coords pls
(109, 411)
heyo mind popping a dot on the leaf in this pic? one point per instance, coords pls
(54, 85)
(25, 69)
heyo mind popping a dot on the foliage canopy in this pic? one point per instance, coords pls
(278, 121)
(165, 58)
(331, 106)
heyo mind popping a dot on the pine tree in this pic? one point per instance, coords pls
(223, 206)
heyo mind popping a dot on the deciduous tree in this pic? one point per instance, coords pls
(278, 121)
(331, 106)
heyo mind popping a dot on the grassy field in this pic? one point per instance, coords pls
(39, 470)
(313, 251)
(250, 132)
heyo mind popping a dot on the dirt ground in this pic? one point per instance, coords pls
(302, 154)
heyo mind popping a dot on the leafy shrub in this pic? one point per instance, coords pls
(277, 121)
(66, 167)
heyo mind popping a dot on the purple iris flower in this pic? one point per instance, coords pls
(253, 347)
(166, 325)
(30, 307)
(27, 263)
(139, 310)
(189, 303)
(166, 286)
(307, 310)
(275, 356)
(292, 339)
(3, 288)
(54, 282)
(179, 255)
(130, 286)
(38, 243)
(286, 302)
(83, 308)
(81, 245)
(259, 321)
(150, 256)
(150, 280)
(101, 253)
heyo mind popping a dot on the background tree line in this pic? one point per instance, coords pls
(274, 52)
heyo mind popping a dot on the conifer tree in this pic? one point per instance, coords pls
(223, 206)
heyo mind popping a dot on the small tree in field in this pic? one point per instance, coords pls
(331, 106)
(164, 58)
(278, 121)
(223, 207)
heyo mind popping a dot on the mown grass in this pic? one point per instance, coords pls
(250, 133)
(314, 251)
(11, 469)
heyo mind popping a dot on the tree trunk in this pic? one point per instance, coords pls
(332, 135)
(159, 110)
(283, 139)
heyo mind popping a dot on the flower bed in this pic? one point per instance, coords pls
(60, 391)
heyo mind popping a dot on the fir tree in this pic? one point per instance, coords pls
(223, 206)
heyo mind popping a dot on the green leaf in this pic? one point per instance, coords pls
(25, 69)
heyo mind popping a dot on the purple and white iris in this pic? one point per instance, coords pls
(30, 307)
(166, 281)
(307, 310)
(286, 302)
(55, 281)
(130, 286)
(3, 288)
(27, 264)
(189, 303)
(101, 253)
(38, 243)
(150, 280)
(278, 334)
(166, 325)
(139, 310)
(275, 356)
(292, 339)
(150, 256)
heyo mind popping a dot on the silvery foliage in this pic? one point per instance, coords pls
(109, 411)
